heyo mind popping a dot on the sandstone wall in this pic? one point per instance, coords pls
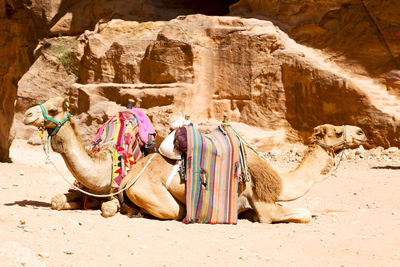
(273, 88)
(361, 35)
(17, 39)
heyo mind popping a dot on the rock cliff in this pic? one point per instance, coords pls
(19, 30)
(361, 35)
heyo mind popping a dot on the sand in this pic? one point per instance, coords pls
(356, 223)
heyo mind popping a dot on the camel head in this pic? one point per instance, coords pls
(337, 138)
(56, 110)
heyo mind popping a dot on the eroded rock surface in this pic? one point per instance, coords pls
(208, 67)
(17, 32)
(361, 35)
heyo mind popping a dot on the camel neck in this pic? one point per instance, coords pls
(296, 183)
(316, 161)
(94, 173)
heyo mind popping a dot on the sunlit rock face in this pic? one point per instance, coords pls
(362, 36)
(208, 67)
(17, 30)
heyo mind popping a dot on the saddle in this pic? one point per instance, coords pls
(215, 164)
(129, 136)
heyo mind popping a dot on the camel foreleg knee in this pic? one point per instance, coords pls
(110, 208)
(66, 201)
(58, 202)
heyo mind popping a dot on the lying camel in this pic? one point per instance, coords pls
(151, 194)
(91, 170)
(265, 187)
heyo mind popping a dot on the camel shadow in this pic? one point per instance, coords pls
(26, 203)
(388, 167)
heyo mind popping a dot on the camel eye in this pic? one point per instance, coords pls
(53, 112)
(339, 134)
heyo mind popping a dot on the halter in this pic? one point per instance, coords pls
(54, 132)
(56, 122)
(331, 147)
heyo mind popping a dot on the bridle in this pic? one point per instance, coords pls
(54, 132)
(56, 122)
(331, 148)
(343, 143)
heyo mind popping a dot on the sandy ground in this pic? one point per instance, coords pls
(356, 223)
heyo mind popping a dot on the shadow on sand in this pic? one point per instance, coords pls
(33, 203)
(387, 167)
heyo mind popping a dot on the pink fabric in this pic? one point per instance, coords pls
(99, 132)
(145, 127)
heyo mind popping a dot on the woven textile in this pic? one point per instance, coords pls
(215, 165)
(146, 131)
(120, 135)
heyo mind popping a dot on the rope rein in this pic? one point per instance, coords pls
(331, 147)
(96, 195)
(333, 172)
(261, 155)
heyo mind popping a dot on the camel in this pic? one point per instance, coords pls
(266, 187)
(90, 170)
(152, 195)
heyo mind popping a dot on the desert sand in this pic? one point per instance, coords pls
(356, 222)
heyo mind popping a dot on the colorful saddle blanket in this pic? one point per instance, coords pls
(215, 164)
(126, 135)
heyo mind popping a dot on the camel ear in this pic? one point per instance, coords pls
(318, 134)
(338, 131)
(66, 104)
(320, 130)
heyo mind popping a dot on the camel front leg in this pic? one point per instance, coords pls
(68, 201)
(272, 212)
(287, 214)
(110, 208)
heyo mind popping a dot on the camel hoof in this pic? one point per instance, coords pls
(109, 209)
(58, 202)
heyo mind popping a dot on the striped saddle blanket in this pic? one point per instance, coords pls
(124, 137)
(215, 163)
